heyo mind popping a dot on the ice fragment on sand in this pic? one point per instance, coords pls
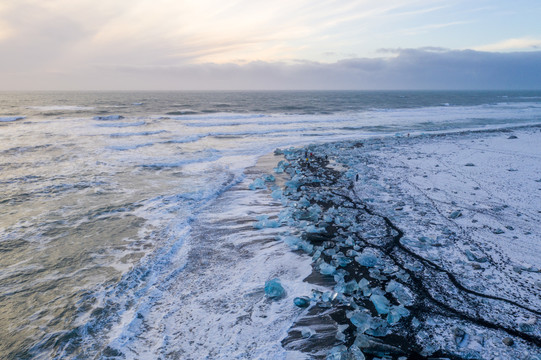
(258, 184)
(337, 353)
(396, 313)
(269, 178)
(469, 164)
(475, 257)
(342, 260)
(461, 337)
(498, 231)
(307, 333)
(370, 345)
(354, 353)
(360, 320)
(381, 303)
(264, 222)
(327, 269)
(276, 194)
(400, 292)
(281, 166)
(363, 284)
(274, 289)
(367, 259)
(455, 214)
(378, 327)
(302, 302)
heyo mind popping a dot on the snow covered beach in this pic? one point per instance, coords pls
(432, 242)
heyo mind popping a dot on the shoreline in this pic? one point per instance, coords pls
(393, 268)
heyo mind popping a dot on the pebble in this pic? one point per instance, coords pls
(508, 341)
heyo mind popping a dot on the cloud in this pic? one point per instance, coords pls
(420, 69)
(512, 45)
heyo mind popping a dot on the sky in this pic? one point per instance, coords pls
(262, 44)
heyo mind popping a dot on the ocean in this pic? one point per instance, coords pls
(110, 203)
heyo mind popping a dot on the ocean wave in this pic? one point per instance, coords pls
(221, 116)
(61, 108)
(122, 124)
(129, 147)
(108, 117)
(11, 118)
(184, 140)
(181, 163)
(142, 133)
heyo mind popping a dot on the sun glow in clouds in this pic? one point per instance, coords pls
(45, 39)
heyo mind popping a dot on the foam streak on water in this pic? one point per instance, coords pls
(118, 208)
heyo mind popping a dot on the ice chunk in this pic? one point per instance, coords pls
(400, 292)
(378, 327)
(265, 222)
(337, 353)
(302, 302)
(258, 184)
(354, 353)
(346, 288)
(396, 313)
(276, 194)
(363, 284)
(296, 243)
(326, 269)
(361, 320)
(281, 166)
(269, 178)
(374, 346)
(342, 260)
(376, 274)
(307, 333)
(367, 259)
(381, 303)
(274, 289)
(475, 257)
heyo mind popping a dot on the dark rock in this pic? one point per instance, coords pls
(512, 137)
(508, 341)
(469, 164)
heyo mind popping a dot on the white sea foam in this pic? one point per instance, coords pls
(122, 124)
(61, 108)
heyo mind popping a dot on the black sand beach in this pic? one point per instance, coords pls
(394, 263)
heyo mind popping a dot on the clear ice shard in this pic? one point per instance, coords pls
(367, 259)
(396, 313)
(302, 302)
(381, 303)
(327, 269)
(274, 289)
(258, 184)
